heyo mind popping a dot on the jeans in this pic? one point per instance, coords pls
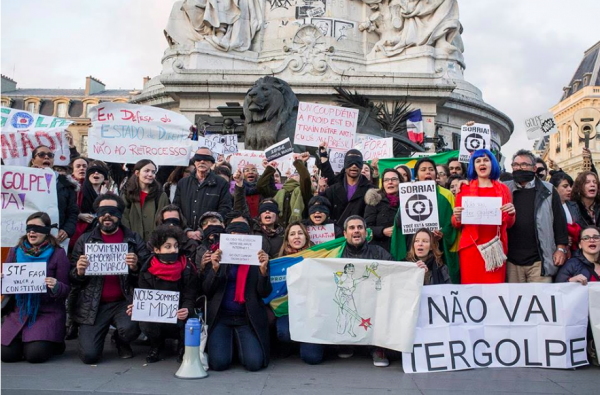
(310, 353)
(91, 337)
(228, 328)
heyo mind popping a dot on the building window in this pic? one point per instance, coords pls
(31, 107)
(61, 110)
(88, 108)
(558, 142)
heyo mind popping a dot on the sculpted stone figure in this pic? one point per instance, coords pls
(270, 109)
(402, 24)
(228, 25)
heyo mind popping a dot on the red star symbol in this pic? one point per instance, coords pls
(366, 323)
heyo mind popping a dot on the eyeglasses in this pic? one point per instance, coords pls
(588, 238)
(521, 166)
(49, 155)
(441, 174)
(394, 179)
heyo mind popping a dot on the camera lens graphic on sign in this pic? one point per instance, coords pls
(474, 142)
(419, 207)
(472, 138)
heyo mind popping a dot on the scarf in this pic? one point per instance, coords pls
(394, 199)
(89, 194)
(168, 271)
(29, 304)
(250, 188)
(240, 284)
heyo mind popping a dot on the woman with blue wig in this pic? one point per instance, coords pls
(482, 248)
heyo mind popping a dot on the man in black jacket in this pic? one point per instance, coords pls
(201, 192)
(355, 232)
(103, 299)
(347, 190)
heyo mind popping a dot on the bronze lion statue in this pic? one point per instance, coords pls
(270, 109)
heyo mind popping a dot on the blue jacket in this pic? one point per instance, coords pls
(578, 264)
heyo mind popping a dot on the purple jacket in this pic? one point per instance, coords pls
(51, 317)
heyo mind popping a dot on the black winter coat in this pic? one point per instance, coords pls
(90, 287)
(578, 264)
(195, 199)
(68, 210)
(366, 251)
(257, 288)
(379, 215)
(338, 195)
(187, 285)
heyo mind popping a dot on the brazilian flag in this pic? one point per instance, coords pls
(438, 159)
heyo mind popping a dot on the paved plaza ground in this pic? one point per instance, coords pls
(357, 375)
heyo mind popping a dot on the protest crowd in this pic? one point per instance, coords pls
(174, 220)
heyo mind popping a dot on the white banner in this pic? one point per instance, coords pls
(24, 278)
(318, 123)
(106, 259)
(500, 325)
(540, 126)
(336, 159)
(472, 138)
(321, 233)
(240, 249)
(418, 206)
(380, 149)
(594, 293)
(481, 210)
(25, 190)
(284, 164)
(228, 141)
(127, 133)
(23, 131)
(354, 301)
(151, 305)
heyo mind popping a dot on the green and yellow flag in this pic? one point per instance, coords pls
(438, 159)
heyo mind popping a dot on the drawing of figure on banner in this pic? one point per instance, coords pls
(348, 315)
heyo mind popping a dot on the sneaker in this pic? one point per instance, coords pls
(153, 355)
(346, 352)
(123, 349)
(379, 358)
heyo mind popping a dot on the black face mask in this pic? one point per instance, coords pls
(112, 210)
(215, 231)
(172, 221)
(521, 176)
(45, 230)
(171, 257)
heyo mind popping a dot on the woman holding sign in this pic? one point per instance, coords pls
(482, 248)
(42, 158)
(168, 269)
(236, 311)
(34, 328)
(144, 197)
(382, 206)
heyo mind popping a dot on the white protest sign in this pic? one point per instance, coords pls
(151, 305)
(540, 126)
(321, 233)
(361, 137)
(354, 301)
(123, 132)
(472, 138)
(240, 249)
(336, 159)
(229, 142)
(24, 278)
(481, 210)
(279, 150)
(317, 123)
(418, 206)
(594, 301)
(245, 157)
(380, 149)
(25, 190)
(106, 259)
(215, 147)
(500, 325)
(23, 131)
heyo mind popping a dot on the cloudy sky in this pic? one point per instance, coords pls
(520, 53)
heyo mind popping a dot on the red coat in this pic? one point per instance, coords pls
(471, 263)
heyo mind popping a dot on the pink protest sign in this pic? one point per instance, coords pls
(318, 123)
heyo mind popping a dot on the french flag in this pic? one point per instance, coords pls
(414, 127)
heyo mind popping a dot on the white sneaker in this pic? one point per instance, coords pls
(379, 358)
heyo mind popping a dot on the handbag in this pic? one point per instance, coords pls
(492, 253)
